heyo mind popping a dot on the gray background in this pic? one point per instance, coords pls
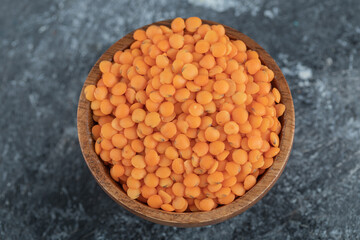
(47, 49)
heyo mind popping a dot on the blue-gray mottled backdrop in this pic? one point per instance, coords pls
(47, 48)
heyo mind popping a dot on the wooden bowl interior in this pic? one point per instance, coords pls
(187, 219)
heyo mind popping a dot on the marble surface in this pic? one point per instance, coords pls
(47, 48)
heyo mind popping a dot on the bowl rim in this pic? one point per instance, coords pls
(188, 219)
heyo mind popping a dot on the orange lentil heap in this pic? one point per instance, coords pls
(187, 119)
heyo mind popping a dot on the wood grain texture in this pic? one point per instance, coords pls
(188, 219)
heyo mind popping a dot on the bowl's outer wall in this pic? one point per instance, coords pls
(193, 219)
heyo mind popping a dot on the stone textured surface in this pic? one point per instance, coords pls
(47, 48)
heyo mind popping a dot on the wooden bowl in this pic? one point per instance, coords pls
(187, 219)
